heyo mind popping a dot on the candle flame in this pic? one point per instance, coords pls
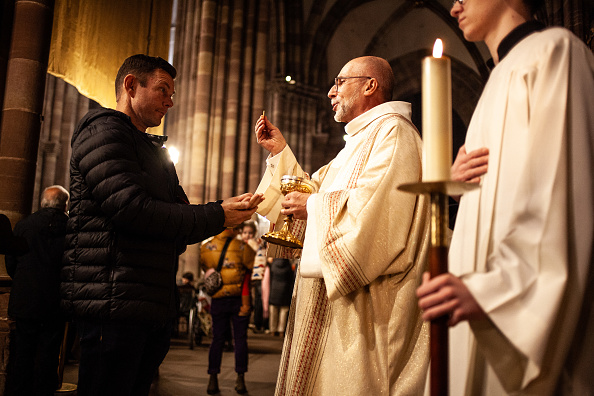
(437, 48)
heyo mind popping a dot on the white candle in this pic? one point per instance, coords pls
(437, 116)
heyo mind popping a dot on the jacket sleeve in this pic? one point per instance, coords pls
(108, 163)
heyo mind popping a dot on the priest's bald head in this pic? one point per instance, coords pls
(362, 84)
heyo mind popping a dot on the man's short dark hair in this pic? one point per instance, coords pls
(141, 66)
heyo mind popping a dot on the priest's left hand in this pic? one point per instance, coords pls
(446, 294)
(295, 203)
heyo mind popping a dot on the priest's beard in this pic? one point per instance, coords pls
(345, 108)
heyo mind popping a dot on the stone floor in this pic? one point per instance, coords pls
(183, 371)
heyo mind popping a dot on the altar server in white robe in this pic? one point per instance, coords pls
(520, 291)
(354, 327)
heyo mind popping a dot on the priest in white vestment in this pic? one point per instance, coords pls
(520, 290)
(354, 327)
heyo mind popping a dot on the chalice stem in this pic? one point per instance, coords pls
(284, 237)
(287, 225)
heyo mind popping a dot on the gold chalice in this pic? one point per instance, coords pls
(284, 237)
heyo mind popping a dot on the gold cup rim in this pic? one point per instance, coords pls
(287, 178)
(305, 184)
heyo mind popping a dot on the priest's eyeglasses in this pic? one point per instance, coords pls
(461, 2)
(338, 81)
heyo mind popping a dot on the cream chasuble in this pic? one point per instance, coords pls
(523, 242)
(354, 326)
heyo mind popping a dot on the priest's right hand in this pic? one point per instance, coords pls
(241, 208)
(269, 136)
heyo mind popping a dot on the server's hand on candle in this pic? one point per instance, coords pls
(446, 294)
(269, 136)
(295, 203)
(469, 167)
(241, 208)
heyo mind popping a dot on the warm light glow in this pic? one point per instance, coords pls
(437, 48)
(173, 154)
(288, 78)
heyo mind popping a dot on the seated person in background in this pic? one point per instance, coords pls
(187, 294)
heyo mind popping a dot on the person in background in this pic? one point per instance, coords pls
(519, 291)
(129, 221)
(188, 280)
(277, 297)
(34, 301)
(228, 304)
(187, 296)
(248, 235)
(10, 244)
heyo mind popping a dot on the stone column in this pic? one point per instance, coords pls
(221, 54)
(23, 103)
(257, 154)
(231, 110)
(19, 129)
(63, 107)
(217, 103)
(6, 17)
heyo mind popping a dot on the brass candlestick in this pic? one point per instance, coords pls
(438, 264)
(284, 237)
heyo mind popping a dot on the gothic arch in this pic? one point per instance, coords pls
(467, 86)
(315, 60)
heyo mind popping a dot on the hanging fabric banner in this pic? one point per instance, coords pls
(91, 39)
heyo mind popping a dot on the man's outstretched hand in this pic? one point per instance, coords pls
(241, 208)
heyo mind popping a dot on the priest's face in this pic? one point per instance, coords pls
(480, 20)
(346, 95)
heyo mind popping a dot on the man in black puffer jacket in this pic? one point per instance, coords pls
(129, 221)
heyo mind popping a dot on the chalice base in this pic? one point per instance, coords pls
(283, 239)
